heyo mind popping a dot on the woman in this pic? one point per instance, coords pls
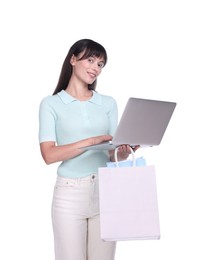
(73, 117)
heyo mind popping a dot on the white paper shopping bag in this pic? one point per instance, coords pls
(128, 203)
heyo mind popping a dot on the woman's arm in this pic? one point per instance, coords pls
(52, 153)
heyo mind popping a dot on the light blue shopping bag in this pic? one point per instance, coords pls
(128, 163)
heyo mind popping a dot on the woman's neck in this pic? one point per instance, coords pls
(79, 92)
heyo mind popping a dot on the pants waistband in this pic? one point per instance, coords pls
(91, 178)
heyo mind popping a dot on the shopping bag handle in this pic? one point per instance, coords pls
(132, 153)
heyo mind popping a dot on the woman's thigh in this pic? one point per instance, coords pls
(97, 248)
(70, 207)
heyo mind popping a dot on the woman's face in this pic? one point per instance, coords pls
(87, 70)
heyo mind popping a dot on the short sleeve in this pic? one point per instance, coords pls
(113, 117)
(47, 119)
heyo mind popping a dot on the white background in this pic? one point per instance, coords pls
(157, 49)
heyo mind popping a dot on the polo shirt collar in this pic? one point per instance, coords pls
(66, 98)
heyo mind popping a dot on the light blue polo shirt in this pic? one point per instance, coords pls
(64, 120)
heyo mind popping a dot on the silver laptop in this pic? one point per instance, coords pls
(143, 123)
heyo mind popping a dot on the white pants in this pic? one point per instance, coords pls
(75, 217)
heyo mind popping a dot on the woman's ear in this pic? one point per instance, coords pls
(73, 60)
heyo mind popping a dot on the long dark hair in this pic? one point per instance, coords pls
(90, 48)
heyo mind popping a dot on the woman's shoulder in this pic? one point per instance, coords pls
(106, 99)
(50, 99)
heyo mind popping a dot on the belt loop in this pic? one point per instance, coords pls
(93, 177)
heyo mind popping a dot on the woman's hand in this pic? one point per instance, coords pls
(101, 138)
(123, 152)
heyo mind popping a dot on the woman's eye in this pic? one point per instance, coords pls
(92, 60)
(101, 64)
